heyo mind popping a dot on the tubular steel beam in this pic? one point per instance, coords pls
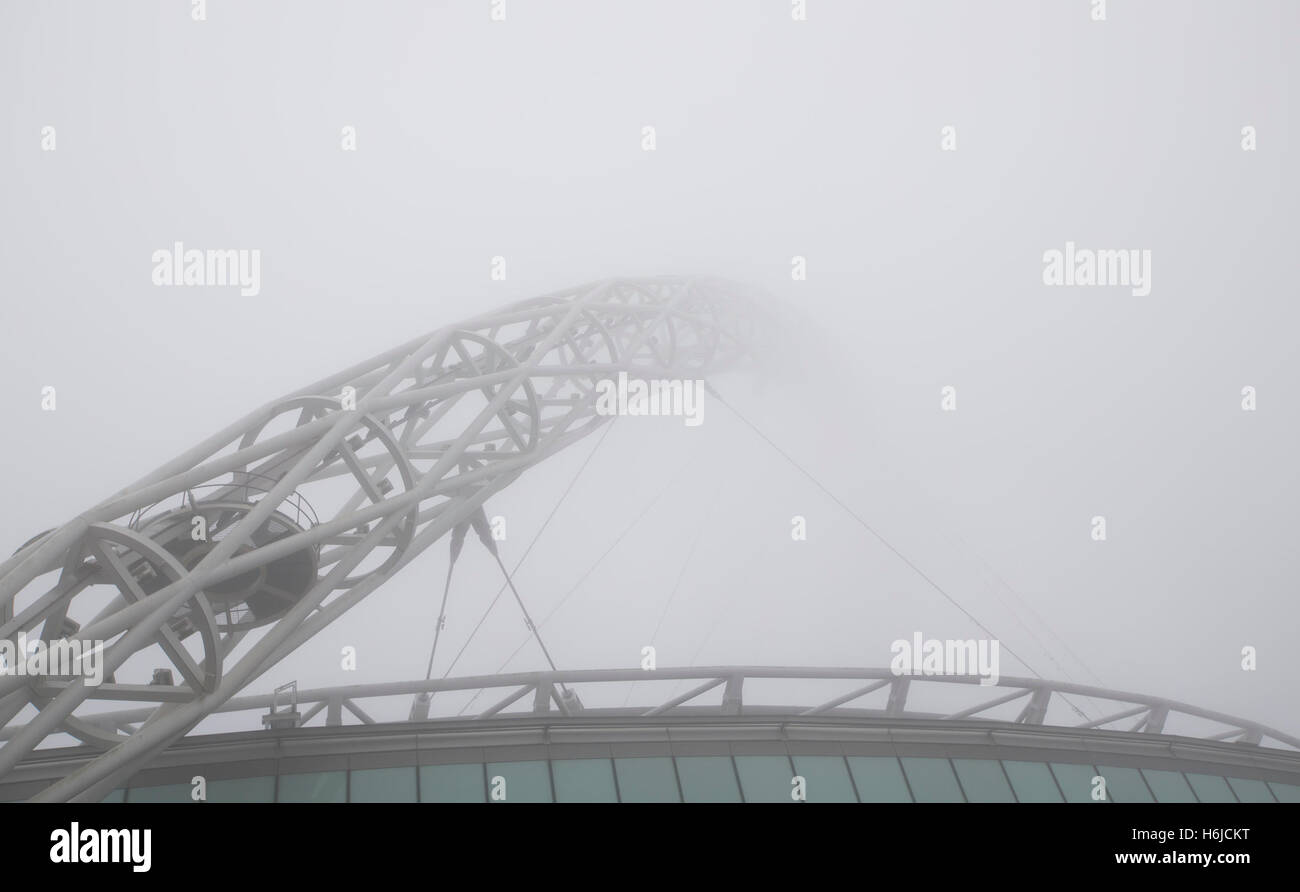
(337, 485)
(519, 685)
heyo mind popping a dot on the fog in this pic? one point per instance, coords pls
(773, 139)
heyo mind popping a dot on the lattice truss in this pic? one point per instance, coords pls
(309, 504)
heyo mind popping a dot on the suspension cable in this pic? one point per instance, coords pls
(866, 526)
(442, 620)
(527, 618)
(681, 574)
(621, 536)
(536, 536)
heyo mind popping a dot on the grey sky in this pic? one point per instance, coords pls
(774, 138)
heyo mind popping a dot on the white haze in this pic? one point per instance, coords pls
(774, 139)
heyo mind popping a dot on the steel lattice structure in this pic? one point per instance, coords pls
(312, 502)
(1030, 702)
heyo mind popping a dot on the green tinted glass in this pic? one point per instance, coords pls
(708, 779)
(765, 778)
(826, 778)
(584, 780)
(1168, 786)
(1076, 781)
(383, 784)
(1032, 781)
(316, 786)
(163, 793)
(242, 789)
(1125, 785)
(1250, 790)
(452, 783)
(879, 779)
(932, 780)
(518, 782)
(648, 779)
(983, 780)
(1285, 792)
(1210, 788)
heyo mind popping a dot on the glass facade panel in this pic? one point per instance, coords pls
(1210, 788)
(983, 780)
(383, 784)
(1075, 781)
(519, 782)
(1285, 792)
(1168, 786)
(708, 779)
(648, 779)
(163, 793)
(1125, 785)
(242, 789)
(316, 786)
(1250, 790)
(1032, 781)
(879, 779)
(932, 780)
(584, 780)
(452, 783)
(765, 778)
(826, 778)
(749, 778)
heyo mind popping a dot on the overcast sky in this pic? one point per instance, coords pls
(774, 138)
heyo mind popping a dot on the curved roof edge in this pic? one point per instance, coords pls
(559, 695)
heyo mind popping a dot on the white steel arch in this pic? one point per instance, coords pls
(313, 501)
